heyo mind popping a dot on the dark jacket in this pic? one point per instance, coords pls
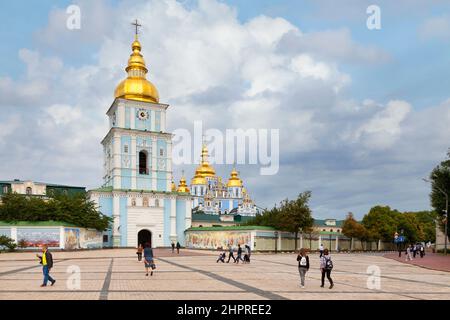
(49, 258)
(299, 257)
(178, 245)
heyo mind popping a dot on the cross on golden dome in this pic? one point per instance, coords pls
(137, 25)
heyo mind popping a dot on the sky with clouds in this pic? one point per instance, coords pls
(363, 114)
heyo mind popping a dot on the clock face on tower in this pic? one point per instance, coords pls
(143, 114)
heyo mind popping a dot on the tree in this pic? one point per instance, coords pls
(440, 179)
(381, 222)
(7, 243)
(76, 209)
(296, 215)
(353, 229)
(291, 215)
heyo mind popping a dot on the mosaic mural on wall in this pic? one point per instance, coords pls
(217, 239)
(36, 237)
(71, 238)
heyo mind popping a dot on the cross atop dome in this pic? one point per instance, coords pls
(137, 25)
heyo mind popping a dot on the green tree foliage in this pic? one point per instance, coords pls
(7, 243)
(353, 229)
(440, 179)
(381, 222)
(75, 209)
(291, 215)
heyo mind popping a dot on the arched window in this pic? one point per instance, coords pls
(29, 191)
(143, 169)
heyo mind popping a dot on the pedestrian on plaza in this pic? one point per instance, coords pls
(326, 265)
(321, 250)
(408, 253)
(149, 260)
(303, 265)
(249, 252)
(178, 247)
(47, 264)
(222, 257)
(422, 251)
(231, 254)
(414, 250)
(246, 259)
(173, 247)
(139, 252)
(239, 254)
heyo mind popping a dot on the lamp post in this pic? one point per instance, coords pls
(445, 216)
(276, 241)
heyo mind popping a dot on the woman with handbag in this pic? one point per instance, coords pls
(149, 259)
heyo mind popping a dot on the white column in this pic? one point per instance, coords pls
(132, 118)
(133, 152)
(62, 241)
(14, 234)
(120, 116)
(337, 243)
(163, 121)
(152, 120)
(116, 221)
(320, 241)
(301, 240)
(155, 153)
(173, 219)
(188, 214)
(169, 165)
(117, 162)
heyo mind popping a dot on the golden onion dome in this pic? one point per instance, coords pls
(183, 188)
(136, 86)
(234, 180)
(198, 179)
(205, 169)
(173, 186)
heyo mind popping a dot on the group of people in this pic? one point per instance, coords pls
(326, 265)
(246, 252)
(414, 249)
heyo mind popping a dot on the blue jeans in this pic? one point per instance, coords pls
(47, 276)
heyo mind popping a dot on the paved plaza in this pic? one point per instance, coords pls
(116, 274)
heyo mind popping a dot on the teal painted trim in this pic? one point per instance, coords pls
(181, 220)
(125, 179)
(158, 121)
(161, 178)
(167, 209)
(123, 221)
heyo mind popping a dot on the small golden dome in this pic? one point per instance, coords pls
(136, 86)
(234, 180)
(173, 187)
(183, 188)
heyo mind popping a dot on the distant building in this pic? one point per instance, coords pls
(328, 225)
(37, 189)
(201, 220)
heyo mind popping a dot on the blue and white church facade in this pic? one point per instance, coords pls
(137, 190)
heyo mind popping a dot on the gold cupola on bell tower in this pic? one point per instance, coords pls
(136, 86)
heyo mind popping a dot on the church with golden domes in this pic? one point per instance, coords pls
(137, 183)
(210, 195)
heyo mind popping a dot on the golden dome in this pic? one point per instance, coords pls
(136, 86)
(205, 169)
(173, 187)
(234, 180)
(183, 188)
(198, 179)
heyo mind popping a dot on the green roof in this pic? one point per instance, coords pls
(235, 228)
(37, 224)
(321, 223)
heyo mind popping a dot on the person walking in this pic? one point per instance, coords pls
(47, 264)
(422, 251)
(239, 254)
(173, 247)
(221, 257)
(231, 254)
(414, 250)
(408, 253)
(303, 265)
(249, 252)
(321, 250)
(149, 259)
(326, 265)
(178, 247)
(246, 260)
(139, 252)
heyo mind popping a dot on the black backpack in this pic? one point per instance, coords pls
(328, 264)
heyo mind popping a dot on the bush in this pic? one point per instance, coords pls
(7, 243)
(22, 243)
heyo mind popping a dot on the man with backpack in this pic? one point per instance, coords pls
(326, 265)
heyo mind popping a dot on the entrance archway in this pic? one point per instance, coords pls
(144, 237)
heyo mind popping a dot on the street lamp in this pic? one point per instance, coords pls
(446, 214)
(276, 241)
